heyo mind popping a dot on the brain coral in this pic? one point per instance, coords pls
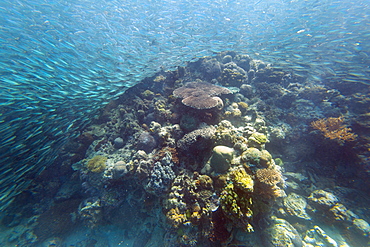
(201, 95)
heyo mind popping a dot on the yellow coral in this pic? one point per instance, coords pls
(175, 218)
(243, 105)
(242, 180)
(159, 78)
(97, 164)
(236, 198)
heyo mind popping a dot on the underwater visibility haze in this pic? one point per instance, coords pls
(64, 66)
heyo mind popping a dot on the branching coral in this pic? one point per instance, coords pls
(269, 176)
(333, 128)
(268, 183)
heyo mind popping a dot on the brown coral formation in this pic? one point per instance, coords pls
(268, 183)
(269, 176)
(333, 128)
(201, 95)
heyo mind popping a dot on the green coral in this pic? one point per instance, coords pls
(220, 160)
(257, 139)
(97, 164)
(251, 155)
(279, 162)
(265, 159)
(236, 198)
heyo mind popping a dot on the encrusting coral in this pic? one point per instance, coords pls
(97, 164)
(333, 128)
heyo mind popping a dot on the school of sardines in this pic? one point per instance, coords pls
(60, 61)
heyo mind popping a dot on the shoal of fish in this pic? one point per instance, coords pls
(61, 61)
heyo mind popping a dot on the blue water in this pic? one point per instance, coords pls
(61, 61)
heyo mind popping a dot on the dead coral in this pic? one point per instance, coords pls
(201, 95)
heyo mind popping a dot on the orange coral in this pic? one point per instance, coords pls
(333, 128)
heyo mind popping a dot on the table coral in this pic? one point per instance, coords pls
(201, 95)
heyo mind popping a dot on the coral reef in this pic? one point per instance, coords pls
(190, 203)
(210, 171)
(146, 142)
(268, 180)
(161, 177)
(295, 205)
(232, 75)
(327, 205)
(281, 233)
